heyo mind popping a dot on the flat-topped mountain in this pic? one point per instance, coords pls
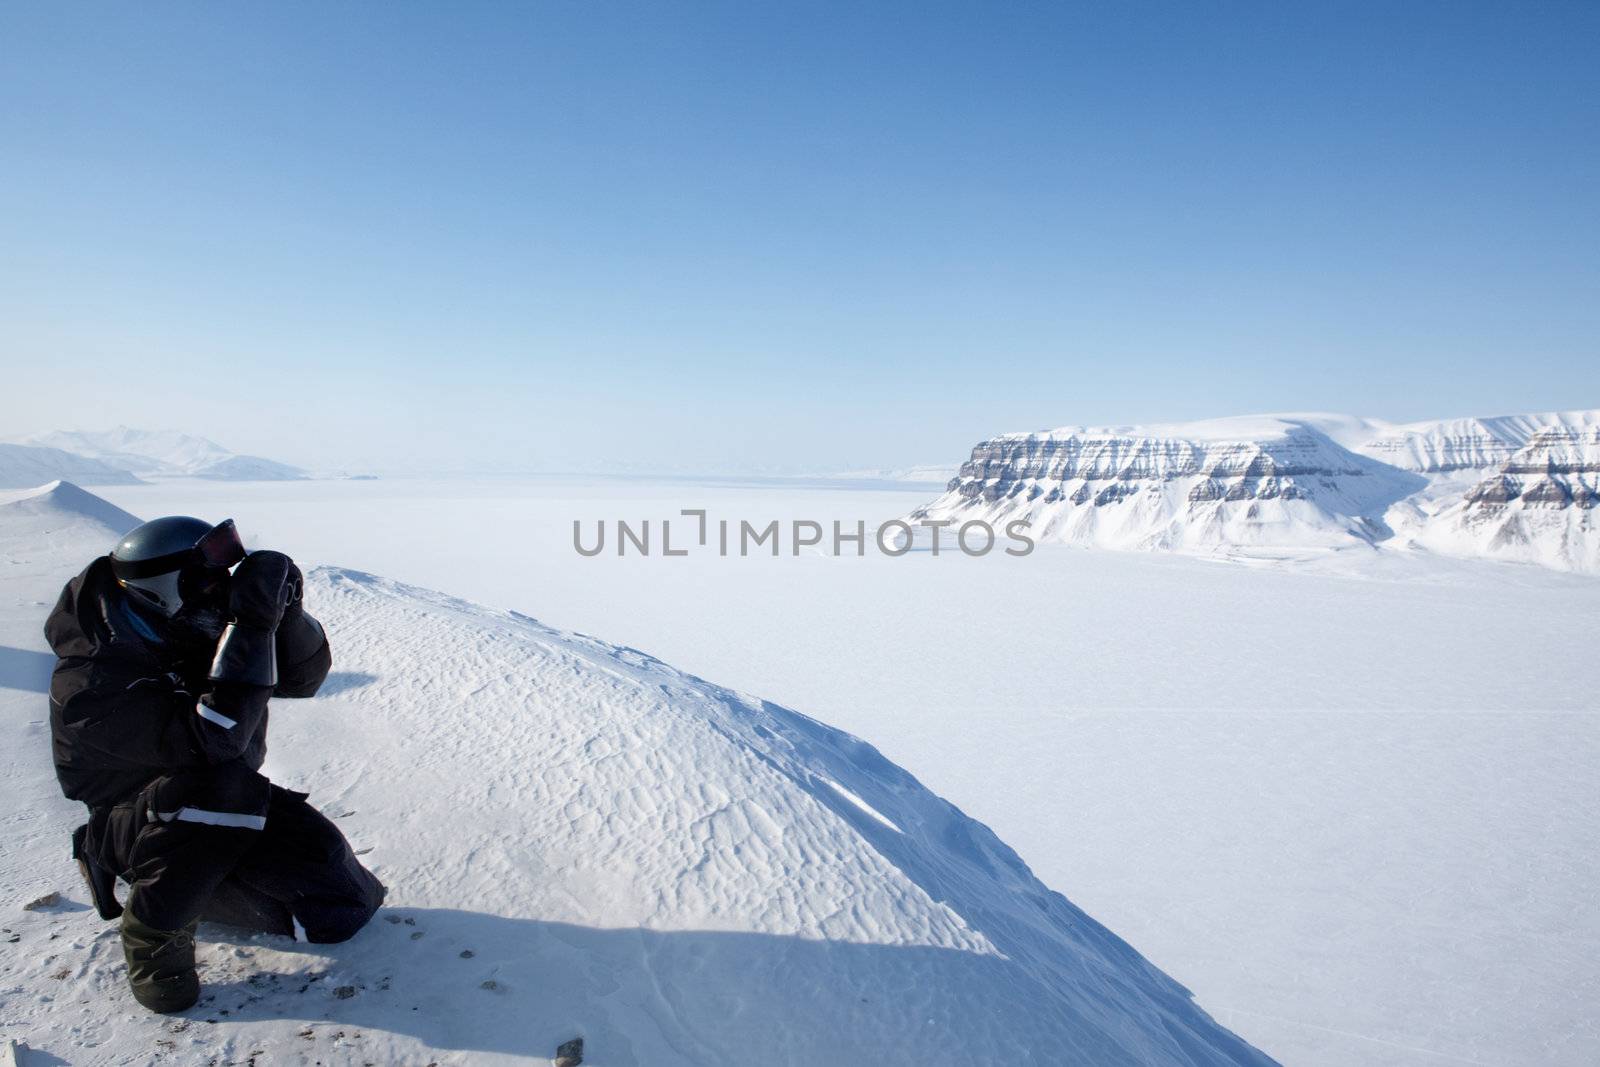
(1284, 483)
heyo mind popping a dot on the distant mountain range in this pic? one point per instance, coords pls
(125, 456)
(1516, 487)
(934, 473)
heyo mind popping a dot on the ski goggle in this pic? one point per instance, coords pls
(221, 547)
(218, 547)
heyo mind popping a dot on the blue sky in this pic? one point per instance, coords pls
(768, 236)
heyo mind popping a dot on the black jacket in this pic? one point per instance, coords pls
(125, 709)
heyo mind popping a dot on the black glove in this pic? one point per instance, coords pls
(261, 590)
(294, 597)
(300, 639)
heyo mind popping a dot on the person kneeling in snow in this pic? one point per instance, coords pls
(158, 718)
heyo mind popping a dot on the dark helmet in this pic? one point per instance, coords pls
(165, 562)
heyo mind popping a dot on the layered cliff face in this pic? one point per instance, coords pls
(1538, 506)
(1197, 486)
(1444, 446)
(1451, 444)
(1520, 487)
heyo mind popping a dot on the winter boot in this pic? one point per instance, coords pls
(160, 964)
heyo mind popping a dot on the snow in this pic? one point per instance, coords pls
(1290, 485)
(248, 469)
(925, 474)
(1227, 429)
(1217, 487)
(164, 453)
(60, 512)
(1347, 799)
(142, 451)
(862, 804)
(579, 840)
(1442, 445)
(1551, 519)
(24, 466)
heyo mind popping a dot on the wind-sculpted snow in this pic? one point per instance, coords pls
(579, 839)
(60, 512)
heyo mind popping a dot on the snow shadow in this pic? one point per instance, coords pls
(28, 1056)
(477, 983)
(25, 669)
(339, 682)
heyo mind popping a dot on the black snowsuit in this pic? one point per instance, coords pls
(169, 766)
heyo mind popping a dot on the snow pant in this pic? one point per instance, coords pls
(224, 844)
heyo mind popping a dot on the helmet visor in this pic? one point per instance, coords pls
(221, 546)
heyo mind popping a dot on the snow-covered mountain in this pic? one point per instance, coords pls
(1538, 506)
(22, 466)
(1446, 445)
(1518, 487)
(166, 453)
(578, 840)
(1241, 482)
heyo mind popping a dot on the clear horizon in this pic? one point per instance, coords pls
(625, 237)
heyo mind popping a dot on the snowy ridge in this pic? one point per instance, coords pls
(248, 469)
(166, 453)
(60, 511)
(22, 466)
(579, 839)
(140, 451)
(1445, 445)
(1281, 484)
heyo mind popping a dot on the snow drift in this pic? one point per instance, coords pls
(1284, 484)
(60, 514)
(579, 839)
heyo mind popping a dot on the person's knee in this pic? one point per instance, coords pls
(345, 906)
(328, 923)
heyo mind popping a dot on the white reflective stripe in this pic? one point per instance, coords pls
(223, 818)
(213, 715)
